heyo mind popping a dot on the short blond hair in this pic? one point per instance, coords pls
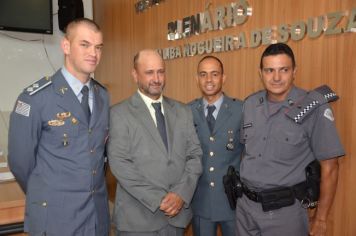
(79, 21)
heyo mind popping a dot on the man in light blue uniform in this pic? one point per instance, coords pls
(57, 136)
(217, 120)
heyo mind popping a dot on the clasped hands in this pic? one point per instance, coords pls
(171, 204)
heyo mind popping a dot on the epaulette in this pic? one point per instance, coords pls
(97, 83)
(38, 85)
(253, 94)
(310, 102)
(193, 102)
(328, 94)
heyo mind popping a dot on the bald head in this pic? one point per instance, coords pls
(149, 73)
(143, 54)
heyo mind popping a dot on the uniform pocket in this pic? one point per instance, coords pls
(247, 132)
(289, 145)
(36, 217)
(38, 203)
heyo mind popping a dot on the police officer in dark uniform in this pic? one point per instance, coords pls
(284, 129)
(57, 136)
(217, 120)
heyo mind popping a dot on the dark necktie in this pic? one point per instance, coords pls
(85, 102)
(161, 125)
(210, 118)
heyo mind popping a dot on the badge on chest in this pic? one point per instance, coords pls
(60, 120)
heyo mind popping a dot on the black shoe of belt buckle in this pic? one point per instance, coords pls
(252, 195)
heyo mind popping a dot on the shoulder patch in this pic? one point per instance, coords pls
(38, 85)
(329, 114)
(22, 108)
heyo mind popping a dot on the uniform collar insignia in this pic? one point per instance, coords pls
(63, 90)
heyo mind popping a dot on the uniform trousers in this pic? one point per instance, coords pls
(168, 230)
(252, 220)
(206, 227)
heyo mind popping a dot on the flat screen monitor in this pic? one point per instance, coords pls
(33, 16)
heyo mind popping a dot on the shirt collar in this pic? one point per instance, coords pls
(290, 100)
(73, 82)
(148, 101)
(217, 103)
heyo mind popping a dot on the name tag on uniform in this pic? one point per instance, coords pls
(248, 125)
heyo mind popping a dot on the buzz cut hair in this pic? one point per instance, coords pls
(214, 58)
(73, 24)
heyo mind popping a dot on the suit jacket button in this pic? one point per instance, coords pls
(211, 154)
(44, 204)
(211, 169)
(212, 139)
(212, 184)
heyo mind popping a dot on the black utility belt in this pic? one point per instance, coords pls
(272, 199)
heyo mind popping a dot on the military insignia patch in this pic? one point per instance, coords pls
(329, 114)
(56, 122)
(74, 121)
(63, 115)
(23, 108)
(38, 86)
(63, 90)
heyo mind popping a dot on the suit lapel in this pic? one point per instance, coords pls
(97, 105)
(67, 99)
(142, 113)
(223, 115)
(170, 115)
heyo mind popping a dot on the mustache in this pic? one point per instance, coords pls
(156, 83)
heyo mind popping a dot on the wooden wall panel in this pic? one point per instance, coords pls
(326, 59)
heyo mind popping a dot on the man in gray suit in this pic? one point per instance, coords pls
(57, 136)
(155, 155)
(217, 120)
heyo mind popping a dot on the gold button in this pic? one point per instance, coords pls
(44, 204)
(212, 184)
(212, 139)
(211, 154)
(211, 169)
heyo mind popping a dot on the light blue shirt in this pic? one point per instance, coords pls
(77, 86)
(217, 105)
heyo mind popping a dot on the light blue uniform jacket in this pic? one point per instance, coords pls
(60, 165)
(210, 200)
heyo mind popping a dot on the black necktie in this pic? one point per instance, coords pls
(210, 118)
(161, 125)
(85, 102)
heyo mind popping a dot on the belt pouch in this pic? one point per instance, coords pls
(276, 198)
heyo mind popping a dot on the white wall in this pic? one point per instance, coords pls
(23, 62)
